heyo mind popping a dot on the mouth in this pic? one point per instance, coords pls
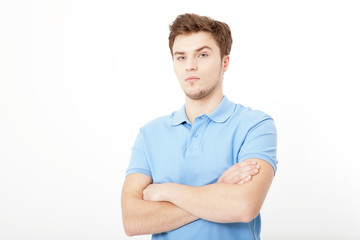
(191, 79)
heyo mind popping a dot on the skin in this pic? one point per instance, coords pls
(141, 215)
(220, 202)
(239, 192)
(198, 55)
(239, 173)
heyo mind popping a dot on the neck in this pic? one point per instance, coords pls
(206, 105)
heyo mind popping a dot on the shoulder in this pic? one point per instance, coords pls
(154, 125)
(248, 116)
(159, 121)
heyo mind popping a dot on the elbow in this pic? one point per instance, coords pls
(246, 218)
(246, 215)
(130, 233)
(131, 225)
(130, 229)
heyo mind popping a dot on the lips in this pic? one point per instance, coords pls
(191, 79)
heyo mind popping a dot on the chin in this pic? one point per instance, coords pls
(197, 95)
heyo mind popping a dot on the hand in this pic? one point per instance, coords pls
(239, 173)
(156, 192)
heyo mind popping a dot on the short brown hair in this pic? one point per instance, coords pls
(192, 23)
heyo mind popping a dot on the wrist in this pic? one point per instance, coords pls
(168, 191)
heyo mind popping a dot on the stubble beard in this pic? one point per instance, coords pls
(196, 96)
(202, 93)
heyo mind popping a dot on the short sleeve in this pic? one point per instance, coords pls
(260, 142)
(139, 161)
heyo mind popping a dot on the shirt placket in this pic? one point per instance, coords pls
(196, 134)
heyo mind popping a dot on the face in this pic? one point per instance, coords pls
(198, 64)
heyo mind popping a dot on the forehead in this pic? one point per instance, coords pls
(192, 41)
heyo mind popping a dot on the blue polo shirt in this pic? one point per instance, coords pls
(171, 149)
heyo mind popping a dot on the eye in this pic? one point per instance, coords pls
(180, 58)
(203, 55)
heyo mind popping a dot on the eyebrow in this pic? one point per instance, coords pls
(196, 50)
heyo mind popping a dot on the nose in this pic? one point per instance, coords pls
(191, 65)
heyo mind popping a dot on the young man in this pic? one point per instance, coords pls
(202, 172)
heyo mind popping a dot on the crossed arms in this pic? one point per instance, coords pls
(154, 208)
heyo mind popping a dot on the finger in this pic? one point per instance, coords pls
(247, 168)
(239, 170)
(243, 176)
(240, 165)
(238, 174)
(247, 179)
(220, 179)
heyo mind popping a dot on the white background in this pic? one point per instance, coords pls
(79, 78)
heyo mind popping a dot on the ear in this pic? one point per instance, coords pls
(226, 62)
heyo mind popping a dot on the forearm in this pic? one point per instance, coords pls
(146, 217)
(219, 202)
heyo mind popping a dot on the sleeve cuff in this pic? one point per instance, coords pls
(139, 170)
(271, 161)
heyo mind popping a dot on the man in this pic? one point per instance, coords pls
(202, 172)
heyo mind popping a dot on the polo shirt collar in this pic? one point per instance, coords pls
(221, 113)
(179, 117)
